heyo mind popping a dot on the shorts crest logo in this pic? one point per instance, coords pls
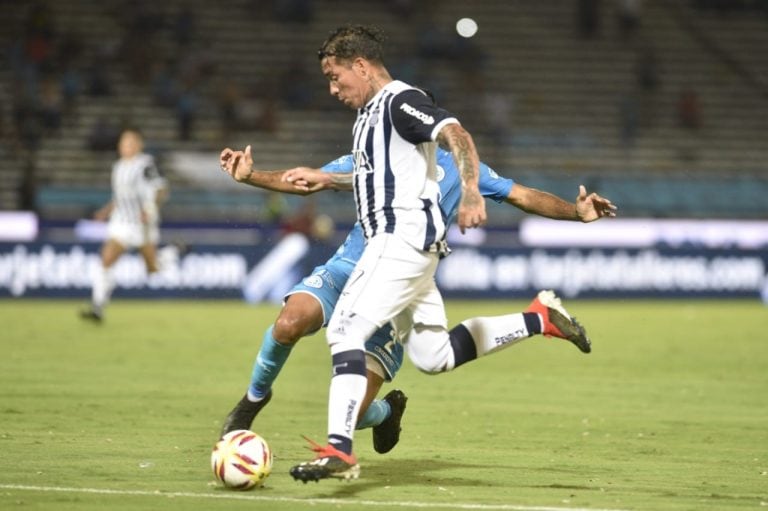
(440, 173)
(313, 281)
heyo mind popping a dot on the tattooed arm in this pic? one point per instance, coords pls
(472, 206)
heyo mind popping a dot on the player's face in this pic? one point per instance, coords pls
(346, 81)
(129, 145)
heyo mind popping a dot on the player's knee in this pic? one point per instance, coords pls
(430, 365)
(301, 315)
(289, 328)
(429, 349)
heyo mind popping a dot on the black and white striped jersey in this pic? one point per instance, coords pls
(135, 183)
(395, 176)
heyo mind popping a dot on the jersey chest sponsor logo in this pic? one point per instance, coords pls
(362, 163)
(418, 114)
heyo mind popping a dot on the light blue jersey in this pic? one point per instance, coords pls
(492, 186)
(326, 281)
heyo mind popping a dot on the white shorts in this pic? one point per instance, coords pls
(133, 235)
(393, 281)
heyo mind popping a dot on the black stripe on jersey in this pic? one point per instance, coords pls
(356, 190)
(369, 127)
(389, 176)
(369, 184)
(429, 235)
(356, 134)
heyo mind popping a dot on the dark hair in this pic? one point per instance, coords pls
(351, 41)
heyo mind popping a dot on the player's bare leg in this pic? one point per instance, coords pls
(300, 316)
(102, 284)
(149, 254)
(372, 390)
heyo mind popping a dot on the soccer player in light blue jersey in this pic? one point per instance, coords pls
(308, 306)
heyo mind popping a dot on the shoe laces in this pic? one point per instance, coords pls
(327, 451)
(313, 446)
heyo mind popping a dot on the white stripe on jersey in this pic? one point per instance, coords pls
(395, 181)
(133, 186)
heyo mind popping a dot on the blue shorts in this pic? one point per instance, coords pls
(325, 285)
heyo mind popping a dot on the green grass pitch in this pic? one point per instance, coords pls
(669, 412)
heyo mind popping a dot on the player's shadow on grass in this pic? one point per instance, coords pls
(411, 472)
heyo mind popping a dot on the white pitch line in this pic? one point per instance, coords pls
(311, 501)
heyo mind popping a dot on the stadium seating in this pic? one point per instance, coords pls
(570, 104)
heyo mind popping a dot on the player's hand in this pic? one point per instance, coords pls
(226, 159)
(593, 207)
(307, 180)
(471, 210)
(238, 164)
(102, 214)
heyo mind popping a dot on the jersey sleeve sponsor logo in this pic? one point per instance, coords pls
(418, 114)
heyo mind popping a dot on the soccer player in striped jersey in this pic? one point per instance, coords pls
(138, 190)
(396, 194)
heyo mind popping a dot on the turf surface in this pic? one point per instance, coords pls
(669, 412)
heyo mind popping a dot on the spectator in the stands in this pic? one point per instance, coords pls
(186, 110)
(293, 11)
(50, 105)
(104, 135)
(629, 17)
(689, 109)
(588, 18)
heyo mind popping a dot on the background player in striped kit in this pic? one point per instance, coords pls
(138, 191)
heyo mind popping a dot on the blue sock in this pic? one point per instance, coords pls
(375, 414)
(269, 362)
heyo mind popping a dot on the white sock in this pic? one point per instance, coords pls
(167, 257)
(103, 284)
(498, 332)
(348, 385)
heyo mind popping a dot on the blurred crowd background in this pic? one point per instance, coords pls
(661, 105)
